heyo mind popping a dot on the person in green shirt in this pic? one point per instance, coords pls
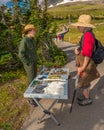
(27, 53)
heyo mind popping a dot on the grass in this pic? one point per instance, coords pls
(77, 9)
(13, 107)
(74, 35)
(72, 12)
(10, 75)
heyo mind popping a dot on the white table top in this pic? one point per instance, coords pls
(31, 93)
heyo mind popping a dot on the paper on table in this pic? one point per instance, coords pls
(55, 88)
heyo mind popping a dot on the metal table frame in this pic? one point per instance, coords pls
(29, 94)
(47, 111)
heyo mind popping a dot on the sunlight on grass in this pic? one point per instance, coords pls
(73, 36)
(73, 12)
(77, 9)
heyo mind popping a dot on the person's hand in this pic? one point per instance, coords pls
(80, 71)
(76, 51)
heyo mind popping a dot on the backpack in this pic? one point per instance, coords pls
(98, 53)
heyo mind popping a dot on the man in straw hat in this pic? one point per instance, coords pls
(27, 51)
(86, 67)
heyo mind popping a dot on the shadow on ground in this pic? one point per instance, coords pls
(82, 118)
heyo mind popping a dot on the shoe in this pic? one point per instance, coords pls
(80, 98)
(85, 102)
(32, 102)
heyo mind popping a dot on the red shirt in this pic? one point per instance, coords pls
(88, 45)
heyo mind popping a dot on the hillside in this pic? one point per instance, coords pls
(75, 9)
(70, 12)
(62, 2)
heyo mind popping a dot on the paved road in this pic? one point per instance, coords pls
(82, 118)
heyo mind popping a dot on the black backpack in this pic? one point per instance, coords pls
(98, 53)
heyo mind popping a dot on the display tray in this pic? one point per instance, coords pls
(51, 90)
(58, 73)
(46, 86)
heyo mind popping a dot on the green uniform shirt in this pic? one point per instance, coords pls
(27, 51)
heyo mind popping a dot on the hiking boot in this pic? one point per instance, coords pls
(85, 102)
(80, 98)
(80, 95)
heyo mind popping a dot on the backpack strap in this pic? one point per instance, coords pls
(81, 43)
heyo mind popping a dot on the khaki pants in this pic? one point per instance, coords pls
(89, 74)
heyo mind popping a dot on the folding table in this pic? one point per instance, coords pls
(32, 93)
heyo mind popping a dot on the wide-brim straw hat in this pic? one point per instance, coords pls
(84, 21)
(28, 27)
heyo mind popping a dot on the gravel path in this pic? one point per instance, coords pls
(82, 118)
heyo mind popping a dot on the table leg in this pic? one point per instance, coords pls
(53, 103)
(68, 87)
(47, 112)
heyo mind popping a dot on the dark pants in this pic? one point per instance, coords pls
(62, 35)
(31, 71)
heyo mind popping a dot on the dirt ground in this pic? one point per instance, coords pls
(82, 118)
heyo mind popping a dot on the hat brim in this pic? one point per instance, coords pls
(27, 30)
(82, 25)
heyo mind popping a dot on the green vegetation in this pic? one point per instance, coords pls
(74, 35)
(73, 11)
(13, 107)
(70, 13)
